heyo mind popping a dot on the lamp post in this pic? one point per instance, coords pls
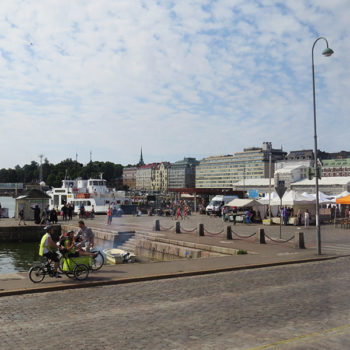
(326, 52)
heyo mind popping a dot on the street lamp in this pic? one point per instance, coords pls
(326, 52)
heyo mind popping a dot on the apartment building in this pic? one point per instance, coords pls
(224, 171)
(182, 174)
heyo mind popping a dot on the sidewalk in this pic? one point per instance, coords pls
(259, 255)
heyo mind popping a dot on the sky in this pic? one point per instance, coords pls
(182, 78)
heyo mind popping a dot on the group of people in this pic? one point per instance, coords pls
(68, 244)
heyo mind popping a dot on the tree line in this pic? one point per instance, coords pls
(53, 174)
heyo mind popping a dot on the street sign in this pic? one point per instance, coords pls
(280, 188)
(253, 193)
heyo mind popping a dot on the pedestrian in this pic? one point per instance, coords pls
(285, 216)
(36, 214)
(21, 217)
(109, 216)
(299, 217)
(306, 218)
(247, 217)
(70, 211)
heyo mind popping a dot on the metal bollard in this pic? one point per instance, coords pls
(200, 229)
(177, 227)
(228, 232)
(299, 240)
(261, 236)
(156, 225)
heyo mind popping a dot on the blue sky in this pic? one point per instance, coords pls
(180, 78)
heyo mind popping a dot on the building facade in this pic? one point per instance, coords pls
(129, 177)
(224, 171)
(335, 167)
(182, 174)
(160, 178)
(145, 176)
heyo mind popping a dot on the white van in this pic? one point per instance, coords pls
(216, 203)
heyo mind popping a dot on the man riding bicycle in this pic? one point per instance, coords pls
(48, 248)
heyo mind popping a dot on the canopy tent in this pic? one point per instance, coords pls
(343, 200)
(322, 198)
(292, 198)
(243, 203)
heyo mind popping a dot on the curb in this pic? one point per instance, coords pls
(160, 276)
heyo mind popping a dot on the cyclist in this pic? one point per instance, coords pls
(48, 248)
(85, 236)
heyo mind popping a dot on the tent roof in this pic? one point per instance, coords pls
(239, 202)
(293, 197)
(343, 200)
(34, 194)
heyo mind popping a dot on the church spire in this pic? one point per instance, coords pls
(141, 162)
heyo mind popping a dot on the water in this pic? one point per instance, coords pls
(10, 203)
(17, 257)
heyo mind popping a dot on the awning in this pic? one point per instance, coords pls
(239, 203)
(343, 200)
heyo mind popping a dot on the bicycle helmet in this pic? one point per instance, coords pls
(48, 228)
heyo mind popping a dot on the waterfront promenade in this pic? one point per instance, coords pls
(336, 242)
(268, 299)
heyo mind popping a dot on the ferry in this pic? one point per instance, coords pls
(91, 193)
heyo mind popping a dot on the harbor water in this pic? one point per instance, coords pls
(17, 257)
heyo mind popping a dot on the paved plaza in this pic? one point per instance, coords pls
(303, 306)
(257, 303)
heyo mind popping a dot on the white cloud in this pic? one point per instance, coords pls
(181, 78)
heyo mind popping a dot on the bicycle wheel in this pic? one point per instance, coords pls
(36, 273)
(81, 272)
(98, 262)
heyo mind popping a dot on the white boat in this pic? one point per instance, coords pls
(91, 193)
(119, 256)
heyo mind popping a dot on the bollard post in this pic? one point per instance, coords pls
(228, 232)
(299, 240)
(200, 229)
(156, 225)
(177, 227)
(261, 236)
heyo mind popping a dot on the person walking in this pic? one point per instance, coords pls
(285, 216)
(299, 217)
(21, 217)
(109, 216)
(306, 218)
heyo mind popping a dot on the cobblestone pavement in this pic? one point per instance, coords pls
(304, 306)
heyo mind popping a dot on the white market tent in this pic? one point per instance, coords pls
(291, 198)
(243, 203)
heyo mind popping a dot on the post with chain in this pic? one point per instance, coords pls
(228, 232)
(261, 236)
(177, 227)
(156, 225)
(200, 229)
(299, 241)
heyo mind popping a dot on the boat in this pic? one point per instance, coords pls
(119, 256)
(91, 193)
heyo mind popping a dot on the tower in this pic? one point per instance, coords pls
(141, 162)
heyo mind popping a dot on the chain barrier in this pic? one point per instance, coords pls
(279, 241)
(214, 233)
(166, 229)
(243, 237)
(188, 231)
